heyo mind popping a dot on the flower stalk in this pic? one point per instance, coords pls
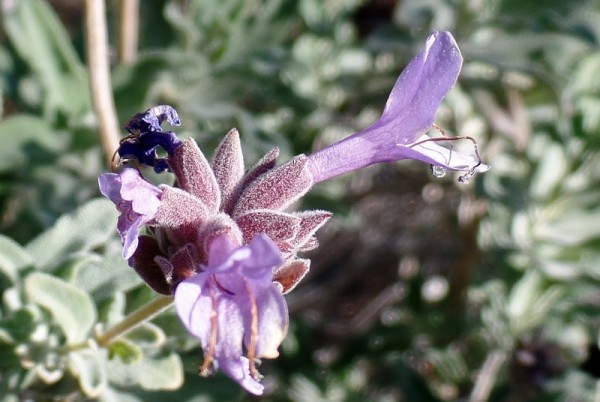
(134, 319)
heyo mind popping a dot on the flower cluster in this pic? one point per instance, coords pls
(220, 239)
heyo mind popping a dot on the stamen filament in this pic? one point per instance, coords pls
(253, 333)
(204, 369)
(467, 176)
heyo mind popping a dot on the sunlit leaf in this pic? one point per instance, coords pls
(72, 309)
(88, 227)
(150, 373)
(41, 40)
(13, 258)
(88, 368)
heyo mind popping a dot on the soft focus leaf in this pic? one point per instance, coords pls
(13, 258)
(150, 373)
(126, 351)
(40, 39)
(105, 277)
(147, 335)
(88, 227)
(87, 366)
(530, 301)
(20, 134)
(72, 309)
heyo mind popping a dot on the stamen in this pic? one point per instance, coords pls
(465, 178)
(253, 334)
(114, 164)
(205, 369)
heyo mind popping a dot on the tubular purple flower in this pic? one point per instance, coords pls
(232, 304)
(136, 200)
(409, 113)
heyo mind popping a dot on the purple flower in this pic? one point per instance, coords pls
(137, 201)
(221, 239)
(232, 305)
(408, 115)
(146, 136)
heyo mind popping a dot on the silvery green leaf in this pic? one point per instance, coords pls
(530, 301)
(150, 373)
(13, 258)
(71, 308)
(88, 227)
(87, 367)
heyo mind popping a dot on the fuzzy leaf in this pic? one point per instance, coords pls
(72, 309)
(265, 164)
(87, 367)
(291, 273)
(279, 226)
(195, 175)
(182, 213)
(25, 130)
(311, 222)
(88, 227)
(150, 373)
(276, 189)
(13, 258)
(228, 167)
(41, 40)
(125, 350)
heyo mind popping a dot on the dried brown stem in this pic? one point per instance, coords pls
(101, 88)
(128, 31)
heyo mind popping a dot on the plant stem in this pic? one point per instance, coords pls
(487, 376)
(101, 88)
(128, 30)
(134, 319)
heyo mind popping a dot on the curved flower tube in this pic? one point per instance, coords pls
(409, 113)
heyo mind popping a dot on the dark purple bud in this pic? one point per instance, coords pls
(147, 136)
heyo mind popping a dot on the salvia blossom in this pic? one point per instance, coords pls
(220, 239)
(400, 132)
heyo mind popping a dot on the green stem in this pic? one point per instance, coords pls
(134, 319)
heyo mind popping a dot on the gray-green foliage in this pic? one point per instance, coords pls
(299, 75)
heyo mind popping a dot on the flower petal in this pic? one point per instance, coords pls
(110, 187)
(144, 197)
(151, 119)
(195, 308)
(421, 87)
(228, 352)
(429, 151)
(265, 256)
(129, 225)
(239, 370)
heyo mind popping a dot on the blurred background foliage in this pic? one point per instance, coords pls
(422, 290)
